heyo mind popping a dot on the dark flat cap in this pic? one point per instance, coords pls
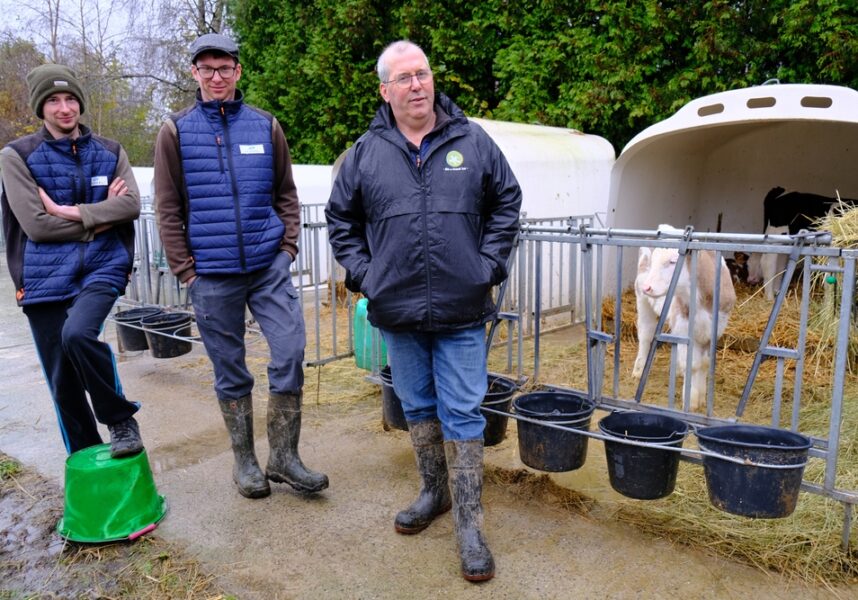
(213, 42)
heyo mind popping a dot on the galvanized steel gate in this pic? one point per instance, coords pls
(608, 260)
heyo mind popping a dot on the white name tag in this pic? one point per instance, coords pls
(251, 148)
(98, 181)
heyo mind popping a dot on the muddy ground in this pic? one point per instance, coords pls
(340, 543)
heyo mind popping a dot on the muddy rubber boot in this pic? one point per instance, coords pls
(434, 497)
(238, 417)
(284, 429)
(465, 463)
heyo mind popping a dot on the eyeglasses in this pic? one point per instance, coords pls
(404, 80)
(207, 72)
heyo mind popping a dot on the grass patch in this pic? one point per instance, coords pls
(9, 468)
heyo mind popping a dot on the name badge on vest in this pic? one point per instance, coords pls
(251, 148)
(98, 181)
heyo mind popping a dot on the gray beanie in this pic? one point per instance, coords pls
(45, 80)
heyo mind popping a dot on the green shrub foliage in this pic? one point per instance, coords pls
(608, 68)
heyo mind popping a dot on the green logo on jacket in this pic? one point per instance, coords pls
(455, 158)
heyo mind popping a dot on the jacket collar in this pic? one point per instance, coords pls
(448, 116)
(230, 107)
(65, 143)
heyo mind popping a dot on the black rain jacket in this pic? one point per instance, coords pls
(425, 245)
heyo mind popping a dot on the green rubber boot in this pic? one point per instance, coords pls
(238, 417)
(434, 497)
(284, 430)
(465, 463)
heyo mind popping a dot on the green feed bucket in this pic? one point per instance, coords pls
(109, 499)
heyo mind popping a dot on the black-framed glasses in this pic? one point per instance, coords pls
(404, 80)
(207, 72)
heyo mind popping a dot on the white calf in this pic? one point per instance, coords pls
(655, 270)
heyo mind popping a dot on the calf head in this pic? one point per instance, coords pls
(655, 270)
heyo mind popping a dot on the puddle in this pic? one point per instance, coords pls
(192, 450)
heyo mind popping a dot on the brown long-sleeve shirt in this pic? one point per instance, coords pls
(39, 226)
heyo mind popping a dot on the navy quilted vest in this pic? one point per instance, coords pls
(228, 164)
(73, 172)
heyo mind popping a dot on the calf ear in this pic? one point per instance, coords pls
(644, 258)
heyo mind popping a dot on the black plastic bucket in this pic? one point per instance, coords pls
(546, 448)
(644, 473)
(498, 397)
(391, 405)
(133, 339)
(158, 329)
(754, 490)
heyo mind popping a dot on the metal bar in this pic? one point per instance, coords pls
(713, 336)
(618, 320)
(841, 354)
(770, 326)
(777, 400)
(688, 373)
(801, 345)
(537, 307)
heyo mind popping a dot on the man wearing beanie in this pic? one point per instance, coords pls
(229, 219)
(69, 204)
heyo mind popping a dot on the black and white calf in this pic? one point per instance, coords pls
(787, 213)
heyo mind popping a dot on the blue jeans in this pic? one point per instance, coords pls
(219, 302)
(441, 376)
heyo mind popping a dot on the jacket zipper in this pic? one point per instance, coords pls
(80, 195)
(425, 216)
(421, 178)
(235, 199)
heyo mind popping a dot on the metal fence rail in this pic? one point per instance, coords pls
(328, 337)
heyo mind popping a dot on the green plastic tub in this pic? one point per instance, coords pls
(109, 499)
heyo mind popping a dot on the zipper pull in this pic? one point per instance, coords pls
(218, 140)
(418, 161)
(74, 148)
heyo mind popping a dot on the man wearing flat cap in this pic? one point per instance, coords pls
(229, 218)
(69, 204)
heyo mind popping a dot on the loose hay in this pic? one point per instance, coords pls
(529, 486)
(804, 546)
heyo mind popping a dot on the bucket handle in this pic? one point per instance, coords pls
(142, 532)
(746, 462)
(670, 437)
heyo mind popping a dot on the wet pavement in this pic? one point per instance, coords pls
(341, 542)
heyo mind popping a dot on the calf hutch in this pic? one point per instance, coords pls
(712, 163)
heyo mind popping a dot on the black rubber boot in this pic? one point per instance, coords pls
(284, 430)
(434, 497)
(238, 417)
(465, 463)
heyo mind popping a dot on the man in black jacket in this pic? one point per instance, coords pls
(423, 215)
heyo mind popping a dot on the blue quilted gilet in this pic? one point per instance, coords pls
(228, 164)
(74, 172)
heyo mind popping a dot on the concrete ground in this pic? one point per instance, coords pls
(341, 543)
